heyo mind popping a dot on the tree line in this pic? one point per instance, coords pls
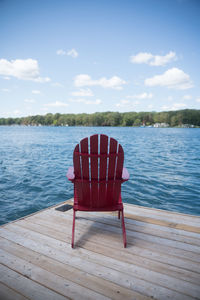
(172, 118)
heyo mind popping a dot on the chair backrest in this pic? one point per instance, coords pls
(98, 165)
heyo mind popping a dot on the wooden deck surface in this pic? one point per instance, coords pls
(161, 261)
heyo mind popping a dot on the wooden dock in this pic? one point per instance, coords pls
(161, 261)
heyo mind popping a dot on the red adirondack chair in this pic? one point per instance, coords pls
(97, 176)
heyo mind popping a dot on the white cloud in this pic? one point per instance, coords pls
(60, 52)
(87, 102)
(163, 60)
(127, 103)
(57, 104)
(17, 112)
(36, 92)
(175, 106)
(85, 80)
(179, 105)
(141, 58)
(11, 114)
(73, 53)
(26, 69)
(150, 106)
(57, 84)
(198, 100)
(83, 93)
(5, 90)
(187, 97)
(141, 96)
(123, 103)
(96, 102)
(29, 100)
(165, 107)
(172, 78)
(153, 60)
(170, 98)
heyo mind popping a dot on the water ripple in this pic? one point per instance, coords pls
(164, 167)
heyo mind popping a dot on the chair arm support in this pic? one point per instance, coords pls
(70, 174)
(125, 174)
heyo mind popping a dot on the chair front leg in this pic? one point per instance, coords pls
(118, 214)
(73, 227)
(123, 229)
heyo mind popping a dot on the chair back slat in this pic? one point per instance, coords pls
(77, 171)
(94, 170)
(85, 171)
(77, 166)
(120, 161)
(111, 170)
(119, 167)
(103, 168)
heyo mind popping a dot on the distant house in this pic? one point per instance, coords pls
(161, 125)
(187, 126)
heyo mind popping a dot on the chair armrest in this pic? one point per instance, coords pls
(70, 173)
(125, 174)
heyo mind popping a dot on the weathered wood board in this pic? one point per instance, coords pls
(161, 261)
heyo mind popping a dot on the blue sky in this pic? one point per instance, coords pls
(89, 56)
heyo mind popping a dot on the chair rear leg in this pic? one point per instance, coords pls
(123, 229)
(118, 214)
(73, 227)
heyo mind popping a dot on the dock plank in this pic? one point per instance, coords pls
(7, 293)
(159, 233)
(122, 279)
(162, 260)
(26, 286)
(48, 279)
(152, 229)
(152, 243)
(103, 287)
(163, 214)
(133, 270)
(63, 232)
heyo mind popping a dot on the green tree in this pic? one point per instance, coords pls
(137, 122)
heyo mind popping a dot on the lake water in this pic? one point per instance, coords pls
(164, 167)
